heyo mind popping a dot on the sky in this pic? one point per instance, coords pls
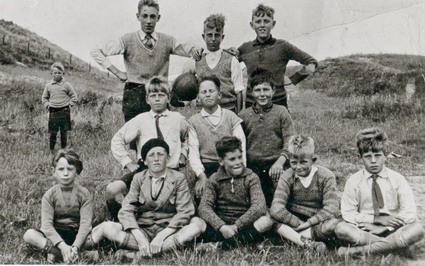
(323, 28)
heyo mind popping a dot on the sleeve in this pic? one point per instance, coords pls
(184, 206)
(129, 132)
(330, 200)
(184, 136)
(189, 66)
(239, 133)
(194, 154)
(258, 203)
(206, 207)
(101, 52)
(287, 128)
(406, 202)
(45, 97)
(236, 75)
(72, 94)
(298, 55)
(278, 210)
(86, 217)
(350, 205)
(126, 215)
(47, 216)
(182, 48)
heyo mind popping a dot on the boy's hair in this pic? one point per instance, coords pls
(262, 10)
(57, 65)
(151, 3)
(215, 21)
(213, 79)
(259, 76)
(72, 158)
(158, 84)
(300, 146)
(371, 139)
(227, 144)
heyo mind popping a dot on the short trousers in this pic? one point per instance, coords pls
(68, 235)
(149, 232)
(323, 231)
(134, 100)
(244, 236)
(59, 119)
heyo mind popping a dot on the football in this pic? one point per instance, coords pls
(185, 87)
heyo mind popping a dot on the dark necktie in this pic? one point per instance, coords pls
(377, 199)
(158, 130)
(148, 41)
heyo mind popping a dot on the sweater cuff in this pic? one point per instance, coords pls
(313, 220)
(217, 225)
(239, 224)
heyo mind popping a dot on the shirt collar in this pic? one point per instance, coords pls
(142, 35)
(165, 113)
(383, 173)
(162, 177)
(222, 174)
(312, 172)
(269, 41)
(60, 82)
(218, 52)
(217, 112)
(257, 109)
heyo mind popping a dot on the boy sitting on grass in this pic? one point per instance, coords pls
(305, 202)
(207, 127)
(267, 127)
(66, 213)
(220, 63)
(377, 204)
(233, 199)
(160, 123)
(156, 212)
(58, 97)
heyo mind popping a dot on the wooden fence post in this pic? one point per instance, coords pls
(70, 59)
(28, 48)
(89, 67)
(48, 55)
(4, 39)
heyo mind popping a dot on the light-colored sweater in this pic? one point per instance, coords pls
(58, 95)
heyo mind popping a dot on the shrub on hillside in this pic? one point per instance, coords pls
(6, 58)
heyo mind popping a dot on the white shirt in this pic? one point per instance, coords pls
(212, 59)
(306, 181)
(194, 155)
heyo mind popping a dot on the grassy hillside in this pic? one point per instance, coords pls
(331, 119)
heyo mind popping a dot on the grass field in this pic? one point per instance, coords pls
(332, 121)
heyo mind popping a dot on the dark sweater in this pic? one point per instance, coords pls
(220, 206)
(318, 202)
(267, 133)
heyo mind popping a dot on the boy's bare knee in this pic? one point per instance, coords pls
(263, 224)
(110, 229)
(113, 189)
(200, 224)
(345, 232)
(29, 235)
(413, 233)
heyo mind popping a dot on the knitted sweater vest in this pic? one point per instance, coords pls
(208, 134)
(142, 63)
(224, 73)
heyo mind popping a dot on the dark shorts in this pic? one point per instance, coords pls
(67, 234)
(59, 119)
(244, 236)
(134, 100)
(267, 184)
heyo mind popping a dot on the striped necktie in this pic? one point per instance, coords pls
(149, 41)
(377, 199)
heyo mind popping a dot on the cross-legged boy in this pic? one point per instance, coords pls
(157, 210)
(233, 200)
(305, 202)
(66, 213)
(207, 127)
(267, 127)
(377, 205)
(160, 123)
(270, 53)
(146, 54)
(58, 97)
(215, 61)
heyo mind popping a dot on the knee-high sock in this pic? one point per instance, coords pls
(113, 208)
(53, 140)
(64, 138)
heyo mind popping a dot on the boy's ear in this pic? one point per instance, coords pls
(222, 36)
(203, 36)
(159, 16)
(274, 23)
(220, 161)
(52, 169)
(251, 25)
(314, 159)
(138, 16)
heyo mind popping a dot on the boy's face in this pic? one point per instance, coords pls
(301, 165)
(263, 94)
(208, 94)
(148, 17)
(262, 25)
(57, 74)
(65, 173)
(374, 161)
(157, 159)
(213, 38)
(232, 162)
(158, 101)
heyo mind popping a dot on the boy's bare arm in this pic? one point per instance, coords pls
(101, 53)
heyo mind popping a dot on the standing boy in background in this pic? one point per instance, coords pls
(207, 127)
(377, 204)
(58, 97)
(216, 61)
(146, 54)
(267, 128)
(270, 53)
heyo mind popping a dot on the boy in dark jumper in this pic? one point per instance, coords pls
(232, 200)
(306, 201)
(267, 128)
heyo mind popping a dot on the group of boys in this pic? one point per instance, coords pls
(245, 160)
